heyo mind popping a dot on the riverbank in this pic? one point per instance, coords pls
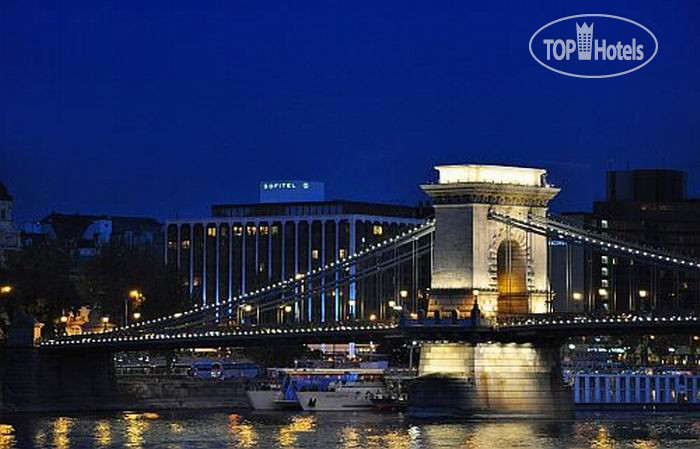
(146, 393)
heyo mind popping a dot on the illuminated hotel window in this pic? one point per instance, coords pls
(264, 230)
(186, 244)
(604, 283)
(377, 230)
(342, 253)
(211, 232)
(275, 230)
(196, 280)
(172, 243)
(604, 271)
(604, 224)
(314, 254)
(250, 230)
(604, 260)
(238, 230)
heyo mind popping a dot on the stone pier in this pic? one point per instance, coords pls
(458, 379)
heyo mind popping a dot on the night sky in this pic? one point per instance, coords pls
(161, 108)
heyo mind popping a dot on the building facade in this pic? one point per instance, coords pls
(84, 235)
(243, 247)
(9, 236)
(645, 206)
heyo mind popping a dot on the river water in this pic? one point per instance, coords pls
(344, 430)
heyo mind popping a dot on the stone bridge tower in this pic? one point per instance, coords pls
(505, 268)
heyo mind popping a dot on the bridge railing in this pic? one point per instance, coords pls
(554, 319)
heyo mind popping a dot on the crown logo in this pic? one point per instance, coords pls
(584, 39)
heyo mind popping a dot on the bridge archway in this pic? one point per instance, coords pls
(511, 278)
(470, 259)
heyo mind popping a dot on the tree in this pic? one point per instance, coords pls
(116, 271)
(42, 284)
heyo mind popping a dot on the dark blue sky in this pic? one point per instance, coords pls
(163, 107)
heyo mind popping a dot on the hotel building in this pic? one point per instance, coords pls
(243, 247)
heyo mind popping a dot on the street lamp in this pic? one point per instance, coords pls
(137, 315)
(105, 321)
(135, 296)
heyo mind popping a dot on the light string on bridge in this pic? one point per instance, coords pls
(545, 225)
(109, 338)
(325, 330)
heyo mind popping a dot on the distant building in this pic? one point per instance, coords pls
(646, 206)
(9, 236)
(242, 247)
(85, 235)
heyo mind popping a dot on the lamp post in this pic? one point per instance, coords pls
(64, 323)
(135, 296)
(410, 356)
(643, 299)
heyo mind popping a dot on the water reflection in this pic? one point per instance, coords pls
(135, 425)
(350, 438)
(7, 436)
(241, 431)
(60, 429)
(103, 433)
(346, 431)
(288, 434)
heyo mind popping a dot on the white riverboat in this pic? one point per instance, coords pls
(342, 390)
(278, 392)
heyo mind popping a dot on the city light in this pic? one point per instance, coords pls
(64, 319)
(372, 317)
(105, 319)
(287, 308)
(6, 289)
(403, 294)
(577, 296)
(643, 293)
(392, 303)
(137, 315)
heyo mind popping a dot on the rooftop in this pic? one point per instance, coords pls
(498, 174)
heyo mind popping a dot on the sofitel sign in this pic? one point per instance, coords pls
(593, 46)
(285, 185)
